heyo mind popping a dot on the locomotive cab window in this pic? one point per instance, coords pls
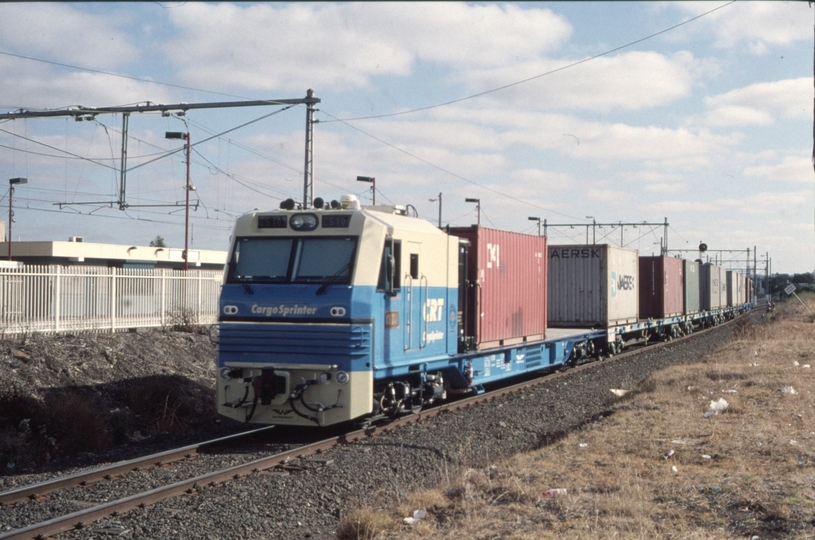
(260, 259)
(390, 268)
(293, 260)
(414, 265)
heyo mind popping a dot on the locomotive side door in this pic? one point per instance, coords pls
(415, 289)
(392, 283)
(406, 292)
(421, 310)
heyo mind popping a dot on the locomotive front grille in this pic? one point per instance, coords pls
(273, 339)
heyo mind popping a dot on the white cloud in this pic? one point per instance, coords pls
(737, 116)
(628, 81)
(761, 103)
(342, 46)
(608, 197)
(61, 32)
(534, 183)
(791, 169)
(758, 26)
(463, 35)
(40, 87)
(577, 138)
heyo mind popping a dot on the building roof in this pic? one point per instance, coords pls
(78, 252)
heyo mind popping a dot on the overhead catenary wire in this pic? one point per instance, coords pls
(451, 173)
(346, 121)
(210, 138)
(130, 218)
(76, 156)
(496, 191)
(538, 76)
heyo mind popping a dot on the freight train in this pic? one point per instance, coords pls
(344, 312)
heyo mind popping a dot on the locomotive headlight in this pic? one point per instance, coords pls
(226, 373)
(341, 377)
(303, 222)
(214, 333)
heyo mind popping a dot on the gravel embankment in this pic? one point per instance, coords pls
(378, 471)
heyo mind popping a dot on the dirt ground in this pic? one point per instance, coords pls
(118, 389)
(718, 449)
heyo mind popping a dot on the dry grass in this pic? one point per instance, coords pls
(745, 472)
(181, 320)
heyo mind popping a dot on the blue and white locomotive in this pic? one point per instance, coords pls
(342, 312)
(335, 313)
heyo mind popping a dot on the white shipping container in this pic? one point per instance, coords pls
(733, 288)
(593, 285)
(723, 283)
(712, 283)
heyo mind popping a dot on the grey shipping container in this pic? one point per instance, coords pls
(691, 287)
(732, 288)
(661, 287)
(710, 287)
(592, 285)
(723, 284)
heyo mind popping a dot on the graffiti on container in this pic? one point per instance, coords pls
(493, 255)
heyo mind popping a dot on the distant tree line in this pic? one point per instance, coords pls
(804, 282)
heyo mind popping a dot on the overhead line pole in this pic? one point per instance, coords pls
(308, 168)
(80, 113)
(123, 171)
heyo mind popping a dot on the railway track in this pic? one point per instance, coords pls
(83, 518)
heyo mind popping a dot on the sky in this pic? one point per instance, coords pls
(592, 116)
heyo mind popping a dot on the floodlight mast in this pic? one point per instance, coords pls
(477, 208)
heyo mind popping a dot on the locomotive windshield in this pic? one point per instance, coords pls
(292, 260)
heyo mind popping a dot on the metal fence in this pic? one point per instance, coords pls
(53, 299)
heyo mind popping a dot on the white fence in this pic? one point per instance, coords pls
(52, 299)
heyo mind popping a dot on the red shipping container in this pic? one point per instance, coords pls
(507, 292)
(661, 287)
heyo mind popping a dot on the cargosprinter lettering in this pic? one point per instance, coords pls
(283, 310)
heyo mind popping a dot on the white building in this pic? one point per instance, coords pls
(77, 252)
